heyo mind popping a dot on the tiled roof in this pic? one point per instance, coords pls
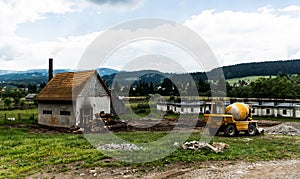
(65, 85)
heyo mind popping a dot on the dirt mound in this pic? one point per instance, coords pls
(289, 128)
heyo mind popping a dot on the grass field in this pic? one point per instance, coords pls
(23, 153)
(248, 79)
(28, 116)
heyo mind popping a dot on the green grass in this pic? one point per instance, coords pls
(28, 116)
(23, 153)
(248, 79)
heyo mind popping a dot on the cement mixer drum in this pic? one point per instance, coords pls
(240, 111)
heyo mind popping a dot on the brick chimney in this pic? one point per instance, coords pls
(50, 72)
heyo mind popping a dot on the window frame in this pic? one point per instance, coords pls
(47, 112)
(65, 113)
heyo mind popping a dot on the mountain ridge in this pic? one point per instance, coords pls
(267, 68)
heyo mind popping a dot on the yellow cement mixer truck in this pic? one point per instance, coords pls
(231, 120)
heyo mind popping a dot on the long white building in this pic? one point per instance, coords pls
(260, 107)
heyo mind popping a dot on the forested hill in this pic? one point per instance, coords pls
(272, 68)
(262, 69)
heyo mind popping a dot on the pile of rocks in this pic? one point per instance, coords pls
(123, 147)
(197, 145)
(289, 128)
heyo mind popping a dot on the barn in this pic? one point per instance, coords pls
(72, 99)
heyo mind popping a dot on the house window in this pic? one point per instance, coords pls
(284, 112)
(47, 112)
(192, 109)
(182, 110)
(268, 111)
(66, 113)
(253, 110)
(175, 109)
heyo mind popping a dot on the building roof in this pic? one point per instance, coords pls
(30, 96)
(64, 86)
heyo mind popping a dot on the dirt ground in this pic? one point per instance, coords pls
(270, 169)
(223, 169)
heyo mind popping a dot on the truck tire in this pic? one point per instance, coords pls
(230, 130)
(252, 130)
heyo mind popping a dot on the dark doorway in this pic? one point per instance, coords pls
(86, 116)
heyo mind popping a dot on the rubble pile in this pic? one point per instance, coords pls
(196, 145)
(290, 128)
(102, 122)
(123, 147)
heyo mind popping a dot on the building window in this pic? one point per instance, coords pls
(253, 110)
(268, 111)
(47, 112)
(66, 113)
(192, 109)
(284, 112)
(182, 110)
(174, 108)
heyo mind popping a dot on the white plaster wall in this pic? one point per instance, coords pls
(297, 112)
(97, 103)
(55, 119)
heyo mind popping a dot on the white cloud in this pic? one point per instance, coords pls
(15, 12)
(22, 53)
(152, 54)
(65, 51)
(237, 37)
(291, 8)
(234, 36)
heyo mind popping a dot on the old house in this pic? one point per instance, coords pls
(72, 99)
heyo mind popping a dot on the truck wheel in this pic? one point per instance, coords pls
(230, 130)
(251, 130)
(213, 131)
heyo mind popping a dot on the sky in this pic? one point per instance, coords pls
(236, 31)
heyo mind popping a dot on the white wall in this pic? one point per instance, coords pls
(93, 96)
(55, 119)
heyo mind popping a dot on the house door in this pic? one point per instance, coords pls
(86, 116)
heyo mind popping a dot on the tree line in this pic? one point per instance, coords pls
(280, 86)
(13, 95)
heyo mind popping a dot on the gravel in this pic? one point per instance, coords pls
(289, 128)
(123, 147)
(270, 169)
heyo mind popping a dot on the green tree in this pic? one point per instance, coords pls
(17, 101)
(7, 102)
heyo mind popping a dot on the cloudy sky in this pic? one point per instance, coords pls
(237, 31)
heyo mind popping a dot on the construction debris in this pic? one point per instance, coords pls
(196, 145)
(123, 147)
(292, 129)
(101, 123)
